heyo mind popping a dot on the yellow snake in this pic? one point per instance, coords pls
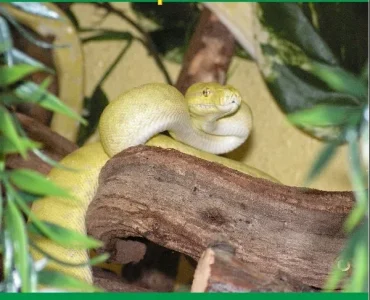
(211, 117)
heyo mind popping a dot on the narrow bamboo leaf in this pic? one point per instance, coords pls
(59, 235)
(37, 8)
(8, 99)
(31, 92)
(288, 22)
(33, 275)
(8, 129)
(27, 197)
(8, 254)
(358, 179)
(335, 277)
(357, 173)
(15, 223)
(26, 33)
(99, 259)
(58, 280)
(35, 183)
(10, 75)
(6, 146)
(359, 279)
(1, 213)
(51, 257)
(357, 237)
(20, 57)
(321, 161)
(108, 35)
(357, 213)
(6, 41)
(63, 236)
(49, 160)
(339, 79)
(326, 115)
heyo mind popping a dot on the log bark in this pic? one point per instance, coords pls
(218, 270)
(209, 54)
(183, 203)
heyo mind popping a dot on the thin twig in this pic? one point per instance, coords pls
(148, 42)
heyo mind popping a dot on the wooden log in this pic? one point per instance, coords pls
(210, 51)
(218, 270)
(183, 203)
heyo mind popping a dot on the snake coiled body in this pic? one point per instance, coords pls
(211, 119)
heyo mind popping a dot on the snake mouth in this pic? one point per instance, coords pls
(230, 103)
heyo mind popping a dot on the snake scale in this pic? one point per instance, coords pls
(210, 119)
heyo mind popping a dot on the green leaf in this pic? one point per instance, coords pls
(8, 253)
(6, 146)
(6, 41)
(58, 234)
(359, 280)
(8, 129)
(108, 35)
(58, 280)
(38, 9)
(50, 161)
(358, 237)
(343, 26)
(32, 93)
(63, 236)
(10, 75)
(358, 179)
(20, 57)
(357, 213)
(96, 260)
(289, 43)
(321, 161)
(1, 211)
(289, 23)
(95, 106)
(339, 80)
(15, 224)
(27, 33)
(327, 115)
(35, 183)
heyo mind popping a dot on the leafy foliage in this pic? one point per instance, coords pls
(316, 70)
(21, 187)
(325, 100)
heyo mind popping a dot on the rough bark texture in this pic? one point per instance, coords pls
(54, 145)
(184, 203)
(218, 270)
(209, 54)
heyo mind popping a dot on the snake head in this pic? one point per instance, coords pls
(212, 99)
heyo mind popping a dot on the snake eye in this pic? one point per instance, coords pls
(206, 92)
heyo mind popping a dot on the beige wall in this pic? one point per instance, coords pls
(274, 146)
